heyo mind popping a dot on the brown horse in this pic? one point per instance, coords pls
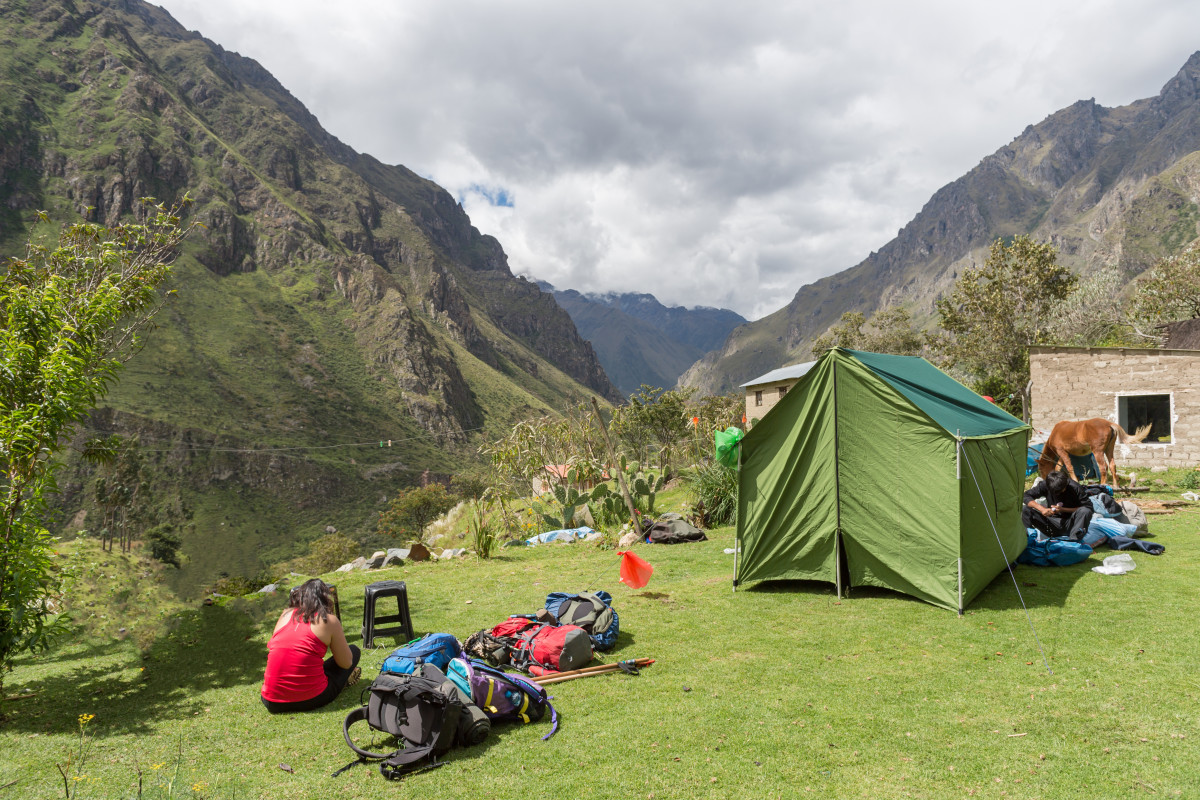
(1078, 437)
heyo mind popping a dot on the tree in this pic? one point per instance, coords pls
(887, 331)
(413, 509)
(1169, 290)
(997, 311)
(71, 316)
(654, 415)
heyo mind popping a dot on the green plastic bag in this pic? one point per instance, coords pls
(727, 446)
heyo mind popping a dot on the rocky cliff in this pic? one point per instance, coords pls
(1107, 186)
(327, 301)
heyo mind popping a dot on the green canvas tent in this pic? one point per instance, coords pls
(881, 470)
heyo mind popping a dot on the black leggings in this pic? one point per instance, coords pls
(336, 678)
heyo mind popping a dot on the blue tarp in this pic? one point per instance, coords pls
(1085, 466)
(569, 535)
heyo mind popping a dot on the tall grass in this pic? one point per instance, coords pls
(715, 486)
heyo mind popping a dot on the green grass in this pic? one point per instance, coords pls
(778, 690)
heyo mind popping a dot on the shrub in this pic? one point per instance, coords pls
(715, 489)
(328, 553)
(413, 509)
(1190, 481)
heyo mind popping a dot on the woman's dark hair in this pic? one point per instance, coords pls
(311, 600)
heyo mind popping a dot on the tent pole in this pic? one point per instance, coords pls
(837, 561)
(837, 487)
(960, 584)
(958, 476)
(737, 538)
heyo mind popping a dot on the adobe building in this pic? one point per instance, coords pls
(1130, 386)
(765, 391)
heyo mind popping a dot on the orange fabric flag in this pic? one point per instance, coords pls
(635, 570)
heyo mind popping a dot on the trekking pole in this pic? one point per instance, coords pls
(637, 662)
(608, 669)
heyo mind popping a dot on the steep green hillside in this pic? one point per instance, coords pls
(329, 301)
(1106, 186)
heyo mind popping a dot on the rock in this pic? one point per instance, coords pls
(330, 529)
(376, 560)
(593, 536)
(451, 552)
(1158, 469)
(395, 557)
(583, 516)
(630, 539)
(418, 552)
(344, 568)
(358, 563)
(122, 631)
(268, 589)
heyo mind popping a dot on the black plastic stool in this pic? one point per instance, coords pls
(374, 591)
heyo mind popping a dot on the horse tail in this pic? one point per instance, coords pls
(1131, 438)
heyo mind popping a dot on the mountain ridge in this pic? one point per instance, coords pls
(639, 340)
(328, 301)
(1107, 186)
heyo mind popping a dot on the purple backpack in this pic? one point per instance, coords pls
(501, 695)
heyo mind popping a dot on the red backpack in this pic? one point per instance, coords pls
(537, 649)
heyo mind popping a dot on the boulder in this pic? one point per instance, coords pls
(330, 529)
(418, 552)
(630, 539)
(358, 563)
(451, 552)
(344, 568)
(395, 557)
(376, 560)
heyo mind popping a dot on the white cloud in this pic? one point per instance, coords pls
(709, 153)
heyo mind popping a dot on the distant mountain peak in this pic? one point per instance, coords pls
(1108, 187)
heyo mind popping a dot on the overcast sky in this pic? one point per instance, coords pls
(710, 153)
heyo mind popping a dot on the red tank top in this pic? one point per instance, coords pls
(295, 664)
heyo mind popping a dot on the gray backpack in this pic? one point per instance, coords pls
(1134, 516)
(421, 712)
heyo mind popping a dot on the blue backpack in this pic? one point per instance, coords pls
(432, 648)
(1043, 552)
(591, 611)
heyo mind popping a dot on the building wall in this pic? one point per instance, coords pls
(770, 396)
(1080, 383)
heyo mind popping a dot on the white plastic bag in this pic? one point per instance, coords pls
(1117, 564)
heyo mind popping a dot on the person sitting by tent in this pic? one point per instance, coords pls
(1067, 511)
(298, 676)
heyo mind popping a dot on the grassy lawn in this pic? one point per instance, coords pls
(778, 690)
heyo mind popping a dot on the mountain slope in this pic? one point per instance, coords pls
(639, 340)
(329, 300)
(1115, 186)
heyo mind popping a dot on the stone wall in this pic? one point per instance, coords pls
(1085, 382)
(770, 396)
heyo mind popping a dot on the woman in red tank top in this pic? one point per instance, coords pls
(298, 676)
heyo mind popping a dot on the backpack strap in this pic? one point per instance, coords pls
(395, 764)
(522, 657)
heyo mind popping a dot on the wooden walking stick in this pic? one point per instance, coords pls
(587, 672)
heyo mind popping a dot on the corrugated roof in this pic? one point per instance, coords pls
(782, 374)
(1183, 335)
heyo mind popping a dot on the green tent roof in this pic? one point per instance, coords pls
(951, 405)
